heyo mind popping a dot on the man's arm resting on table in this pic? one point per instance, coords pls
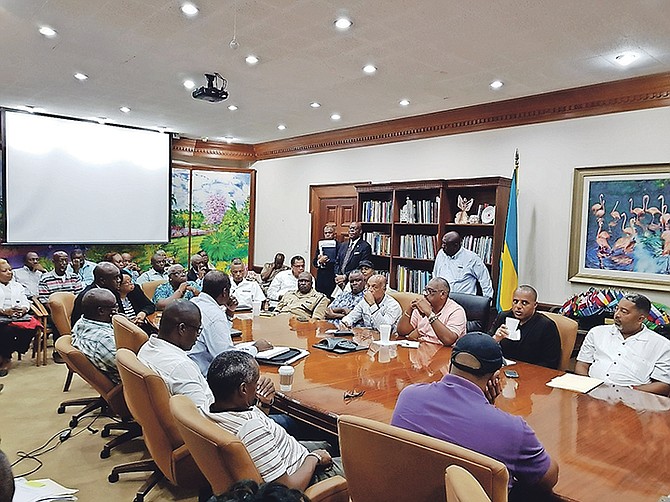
(405, 327)
(654, 387)
(582, 368)
(446, 336)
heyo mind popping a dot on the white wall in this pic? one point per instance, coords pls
(548, 155)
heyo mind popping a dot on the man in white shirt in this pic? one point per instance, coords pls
(214, 301)
(246, 292)
(286, 280)
(157, 270)
(627, 353)
(29, 275)
(376, 307)
(461, 268)
(165, 353)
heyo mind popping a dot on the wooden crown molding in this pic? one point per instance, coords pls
(185, 147)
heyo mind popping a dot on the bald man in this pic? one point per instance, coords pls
(376, 307)
(461, 268)
(305, 302)
(106, 275)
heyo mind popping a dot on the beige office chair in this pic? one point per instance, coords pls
(383, 462)
(127, 334)
(40, 341)
(148, 400)
(149, 288)
(567, 330)
(224, 459)
(405, 299)
(462, 486)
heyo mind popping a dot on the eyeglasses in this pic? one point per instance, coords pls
(197, 328)
(353, 394)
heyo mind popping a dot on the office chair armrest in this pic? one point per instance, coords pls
(329, 490)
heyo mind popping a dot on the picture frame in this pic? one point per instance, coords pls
(620, 226)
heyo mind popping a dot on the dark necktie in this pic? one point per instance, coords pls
(347, 256)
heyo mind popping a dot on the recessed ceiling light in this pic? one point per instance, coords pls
(281, 127)
(80, 76)
(342, 23)
(314, 104)
(125, 109)
(251, 59)
(496, 84)
(189, 9)
(369, 69)
(335, 116)
(47, 32)
(189, 84)
(404, 102)
(100, 120)
(626, 58)
(30, 108)
(232, 108)
(228, 139)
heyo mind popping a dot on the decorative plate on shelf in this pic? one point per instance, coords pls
(488, 214)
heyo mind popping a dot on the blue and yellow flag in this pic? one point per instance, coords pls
(508, 279)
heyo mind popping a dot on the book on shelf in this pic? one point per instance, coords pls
(379, 242)
(420, 211)
(376, 211)
(418, 246)
(482, 246)
(411, 280)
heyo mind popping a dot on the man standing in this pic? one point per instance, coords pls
(350, 254)
(215, 336)
(81, 266)
(246, 292)
(165, 353)
(30, 274)
(627, 353)
(376, 307)
(345, 302)
(106, 275)
(461, 268)
(324, 261)
(286, 280)
(435, 318)
(177, 287)
(157, 270)
(540, 342)
(306, 302)
(459, 409)
(93, 334)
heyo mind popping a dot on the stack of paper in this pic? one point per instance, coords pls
(576, 383)
(41, 490)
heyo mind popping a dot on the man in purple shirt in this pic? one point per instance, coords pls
(459, 409)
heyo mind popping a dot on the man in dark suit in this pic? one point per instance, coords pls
(350, 254)
(324, 261)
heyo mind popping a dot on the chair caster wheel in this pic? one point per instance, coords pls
(113, 477)
(104, 433)
(73, 422)
(105, 453)
(61, 410)
(139, 498)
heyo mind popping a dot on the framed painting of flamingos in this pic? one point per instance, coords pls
(621, 226)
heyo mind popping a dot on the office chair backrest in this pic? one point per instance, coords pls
(462, 486)
(60, 306)
(149, 287)
(567, 330)
(383, 462)
(112, 393)
(127, 334)
(477, 310)
(405, 299)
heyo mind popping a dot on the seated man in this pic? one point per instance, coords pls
(105, 275)
(235, 380)
(540, 342)
(345, 302)
(459, 409)
(286, 280)
(367, 269)
(215, 334)
(270, 270)
(93, 334)
(81, 266)
(627, 353)
(461, 268)
(130, 266)
(197, 270)
(165, 353)
(245, 291)
(177, 287)
(30, 274)
(306, 302)
(376, 307)
(157, 270)
(435, 318)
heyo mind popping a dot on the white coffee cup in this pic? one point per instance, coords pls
(512, 324)
(385, 333)
(256, 307)
(286, 378)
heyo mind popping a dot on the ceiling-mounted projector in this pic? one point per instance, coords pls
(211, 92)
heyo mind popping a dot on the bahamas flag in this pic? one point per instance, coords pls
(508, 280)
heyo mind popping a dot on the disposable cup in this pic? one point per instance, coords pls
(256, 308)
(384, 333)
(512, 324)
(286, 378)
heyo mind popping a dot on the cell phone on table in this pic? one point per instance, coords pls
(511, 374)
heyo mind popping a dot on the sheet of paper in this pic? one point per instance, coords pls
(269, 354)
(576, 383)
(41, 489)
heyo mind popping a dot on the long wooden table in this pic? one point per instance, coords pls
(610, 444)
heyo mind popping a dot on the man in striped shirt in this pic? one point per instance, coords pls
(235, 381)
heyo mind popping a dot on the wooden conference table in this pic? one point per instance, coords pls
(610, 444)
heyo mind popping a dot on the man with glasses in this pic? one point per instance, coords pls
(165, 353)
(216, 325)
(435, 318)
(177, 287)
(157, 270)
(286, 280)
(93, 334)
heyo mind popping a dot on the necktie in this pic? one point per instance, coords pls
(347, 256)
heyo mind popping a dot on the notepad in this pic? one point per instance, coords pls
(270, 353)
(41, 489)
(575, 383)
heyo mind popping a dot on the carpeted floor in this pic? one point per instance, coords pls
(28, 418)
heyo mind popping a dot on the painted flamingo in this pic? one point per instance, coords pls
(602, 238)
(599, 207)
(616, 216)
(653, 211)
(665, 216)
(626, 243)
(637, 211)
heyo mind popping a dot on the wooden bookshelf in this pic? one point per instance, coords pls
(415, 236)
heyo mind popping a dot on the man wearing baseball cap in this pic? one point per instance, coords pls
(459, 409)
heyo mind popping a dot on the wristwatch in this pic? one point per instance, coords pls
(432, 318)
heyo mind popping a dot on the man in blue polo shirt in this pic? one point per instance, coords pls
(459, 409)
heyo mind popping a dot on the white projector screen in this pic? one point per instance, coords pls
(75, 182)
